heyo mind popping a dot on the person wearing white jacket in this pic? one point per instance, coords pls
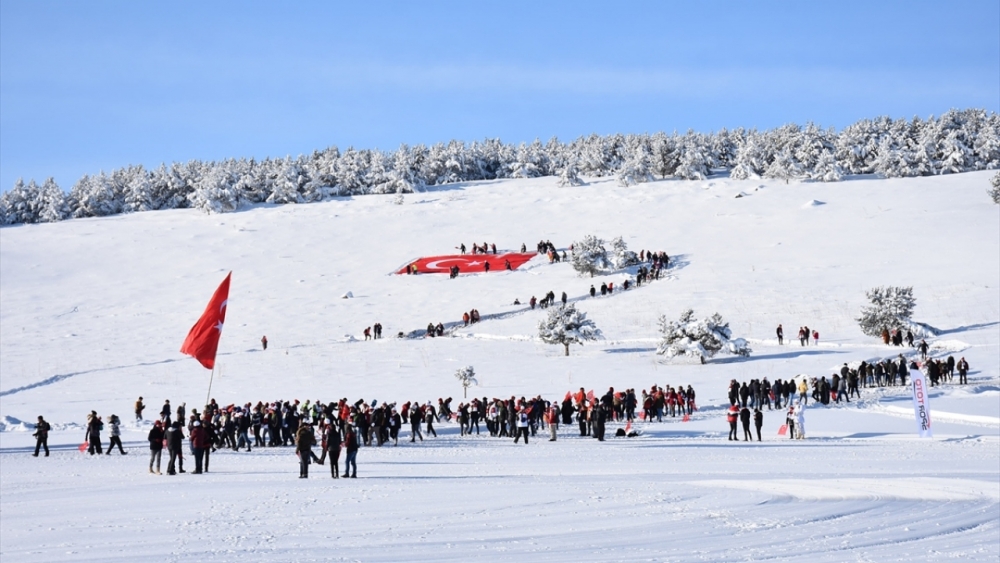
(116, 435)
(800, 422)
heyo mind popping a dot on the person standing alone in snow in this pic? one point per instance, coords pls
(41, 436)
(781, 335)
(263, 341)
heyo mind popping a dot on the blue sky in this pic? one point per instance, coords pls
(93, 86)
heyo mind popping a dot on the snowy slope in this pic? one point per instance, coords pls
(92, 313)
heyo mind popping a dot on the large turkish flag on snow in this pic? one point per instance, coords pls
(203, 340)
(468, 263)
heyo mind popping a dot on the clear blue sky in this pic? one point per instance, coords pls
(86, 86)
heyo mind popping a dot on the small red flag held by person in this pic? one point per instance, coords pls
(203, 340)
(686, 418)
(783, 430)
(84, 446)
(642, 415)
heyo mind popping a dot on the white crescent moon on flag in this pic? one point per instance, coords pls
(435, 264)
(223, 306)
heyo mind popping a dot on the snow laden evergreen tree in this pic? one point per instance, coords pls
(994, 190)
(590, 256)
(891, 308)
(467, 377)
(566, 325)
(698, 338)
(21, 204)
(570, 176)
(621, 256)
(53, 204)
(216, 192)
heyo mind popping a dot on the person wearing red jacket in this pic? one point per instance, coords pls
(732, 415)
(552, 419)
(199, 442)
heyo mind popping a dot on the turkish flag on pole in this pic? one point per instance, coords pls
(203, 340)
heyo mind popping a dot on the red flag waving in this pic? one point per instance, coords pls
(203, 340)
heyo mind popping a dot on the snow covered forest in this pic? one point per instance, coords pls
(957, 141)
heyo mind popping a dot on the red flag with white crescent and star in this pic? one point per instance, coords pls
(203, 340)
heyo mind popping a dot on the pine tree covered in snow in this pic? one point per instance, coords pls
(698, 338)
(590, 256)
(20, 204)
(467, 377)
(621, 256)
(569, 176)
(957, 141)
(566, 325)
(53, 204)
(994, 190)
(891, 308)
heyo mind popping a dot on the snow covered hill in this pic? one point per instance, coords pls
(93, 312)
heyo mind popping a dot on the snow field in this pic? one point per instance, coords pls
(92, 313)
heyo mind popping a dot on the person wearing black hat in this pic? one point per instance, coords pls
(41, 436)
(116, 435)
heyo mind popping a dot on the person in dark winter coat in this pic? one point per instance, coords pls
(351, 445)
(94, 427)
(331, 445)
(175, 445)
(155, 437)
(963, 371)
(745, 419)
(781, 335)
(758, 421)
(304, 441)
(41, 436)
(744, 394)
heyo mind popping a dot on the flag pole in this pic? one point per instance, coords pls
(209, 396)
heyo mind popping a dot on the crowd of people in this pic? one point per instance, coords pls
(344, 427)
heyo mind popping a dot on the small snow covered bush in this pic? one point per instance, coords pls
(590, 256)
(467, 377)
(621, 256)
(994, 190)
(566, 325)
(699, 338)
(891, 308)
(570, 176)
